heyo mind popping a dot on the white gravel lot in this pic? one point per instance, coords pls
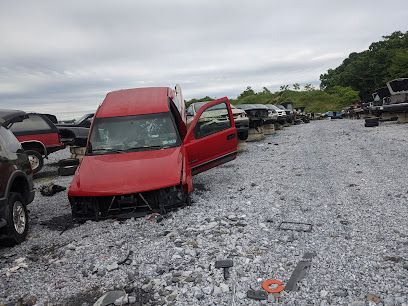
(350, 182)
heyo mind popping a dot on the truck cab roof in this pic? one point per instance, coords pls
(136, 101)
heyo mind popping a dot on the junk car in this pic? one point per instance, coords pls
(16, 181)
(240, 117)
(76, 129)
(38, 136)
(281, 114)
(257, 115)
(140, 157)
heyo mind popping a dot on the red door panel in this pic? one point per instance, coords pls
(206, 152)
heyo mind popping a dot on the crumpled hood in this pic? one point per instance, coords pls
(125, 173)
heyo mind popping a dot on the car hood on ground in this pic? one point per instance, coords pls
(126, 173)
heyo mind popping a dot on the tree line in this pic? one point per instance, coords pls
(369, 70)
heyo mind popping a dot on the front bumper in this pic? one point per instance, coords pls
(128, 205)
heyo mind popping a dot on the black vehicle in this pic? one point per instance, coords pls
(16, 183)
(257, 114)
(77, 129)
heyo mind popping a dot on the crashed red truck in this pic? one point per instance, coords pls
(140, 156)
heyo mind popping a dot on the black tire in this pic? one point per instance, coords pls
(66, 171)
(36, 160)
(188, 200)
(15, 234)
(68, 162)
(243, 135)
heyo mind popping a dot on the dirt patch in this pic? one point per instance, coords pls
(59, 223)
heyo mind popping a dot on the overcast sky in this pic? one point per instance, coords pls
(66, 55)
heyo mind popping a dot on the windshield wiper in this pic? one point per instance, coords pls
(108, 150)
(147, 147)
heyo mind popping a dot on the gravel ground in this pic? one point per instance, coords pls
(348, 181)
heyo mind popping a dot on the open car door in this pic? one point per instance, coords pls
(212, 137)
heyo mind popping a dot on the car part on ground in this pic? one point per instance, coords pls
(371, 122)
(277, 286)
(16, 185)
(51, 189)
(67, 170)
(68, 162)
(225, 265)
(37, 134)
(257, 295)
(300, 271)
(295, 226)
(140, 158)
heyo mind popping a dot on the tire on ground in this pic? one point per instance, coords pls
(35, 158)
(13, 235)
(66, 171)
(370, 122)
(68, 162)
(243, 135)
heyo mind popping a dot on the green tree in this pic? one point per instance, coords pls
(296, 86)
(309, 87)
(368, 70)
(246, 93)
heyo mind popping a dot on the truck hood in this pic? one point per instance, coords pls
(126, 173)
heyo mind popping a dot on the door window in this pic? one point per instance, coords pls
(212, 120)
(34, 123)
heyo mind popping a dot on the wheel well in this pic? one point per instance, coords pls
(20, 186)
(35, 146)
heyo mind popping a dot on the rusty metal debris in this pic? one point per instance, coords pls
(51, 189)
(224, 264)
(257, 295)
(300, 271)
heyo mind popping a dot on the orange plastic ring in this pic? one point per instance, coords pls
(266, 285)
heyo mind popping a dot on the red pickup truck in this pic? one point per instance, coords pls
(140, 156)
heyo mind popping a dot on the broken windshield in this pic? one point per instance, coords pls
(133, 133)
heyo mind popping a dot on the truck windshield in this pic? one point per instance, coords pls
(133, 133)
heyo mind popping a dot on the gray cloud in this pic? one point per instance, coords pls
(59, 55)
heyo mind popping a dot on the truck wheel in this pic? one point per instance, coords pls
(17, 219)
(68, 162)
(66, 171)
(36, 160)
(243, 135)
